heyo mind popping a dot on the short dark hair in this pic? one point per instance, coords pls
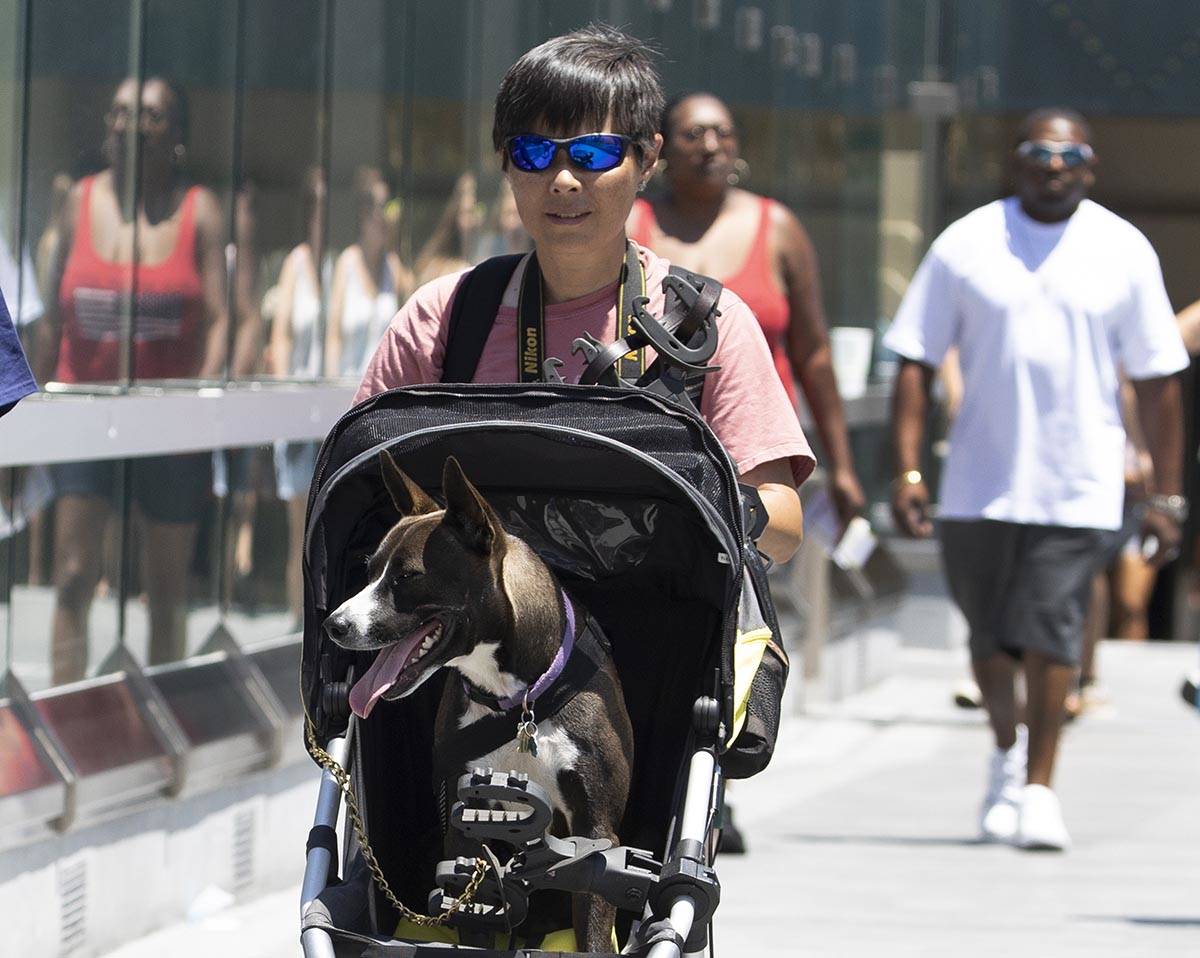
(1044, 113)
(581, 79)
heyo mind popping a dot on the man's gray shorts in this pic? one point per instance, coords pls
(1022, 587)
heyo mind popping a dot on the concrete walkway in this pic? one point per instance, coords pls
(862, 835)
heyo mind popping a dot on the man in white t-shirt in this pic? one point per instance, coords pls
(1048, 297)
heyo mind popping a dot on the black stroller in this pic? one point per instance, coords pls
(636, 507)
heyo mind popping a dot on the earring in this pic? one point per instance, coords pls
(178, 154)
(741, 171)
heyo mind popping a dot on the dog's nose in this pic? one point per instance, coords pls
(337, 626)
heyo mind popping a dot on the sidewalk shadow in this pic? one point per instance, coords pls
(901, 840)
(1155, 921)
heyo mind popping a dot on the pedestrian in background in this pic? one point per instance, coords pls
(154, 272)
(1048, 297)
(705, 222)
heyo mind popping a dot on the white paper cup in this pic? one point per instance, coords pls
(851, 348)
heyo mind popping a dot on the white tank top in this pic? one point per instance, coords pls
(365, 317)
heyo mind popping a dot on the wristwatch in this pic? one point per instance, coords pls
(1174, 507)
(910, 477)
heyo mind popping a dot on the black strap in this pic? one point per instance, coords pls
(323, 836)
(481, 291)
(473, 313)
(691, 329)
(633, 363)
(531, 314)
(497, 728)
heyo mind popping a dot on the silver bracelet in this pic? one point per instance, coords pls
(1174, 507)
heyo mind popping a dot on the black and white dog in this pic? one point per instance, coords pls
(449, 587)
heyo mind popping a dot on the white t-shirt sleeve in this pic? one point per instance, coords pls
(1148, 339)
(926, 324)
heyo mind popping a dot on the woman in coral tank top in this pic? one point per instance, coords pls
(154, 275)
(704, 223)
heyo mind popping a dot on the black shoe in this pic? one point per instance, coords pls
(1188, 689)
(732, 841)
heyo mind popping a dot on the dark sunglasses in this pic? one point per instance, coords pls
(593, 152)
(1042, 152)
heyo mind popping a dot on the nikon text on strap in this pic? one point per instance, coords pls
(531, 319)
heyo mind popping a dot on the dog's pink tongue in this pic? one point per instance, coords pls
(380, 677)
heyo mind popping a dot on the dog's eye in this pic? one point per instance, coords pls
(404, 574)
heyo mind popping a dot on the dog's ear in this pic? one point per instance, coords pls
(410, 499)
(467, 512)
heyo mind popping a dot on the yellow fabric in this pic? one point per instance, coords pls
(747, 655)
(563, 940)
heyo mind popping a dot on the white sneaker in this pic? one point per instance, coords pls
(998, 817)
(1041, 826)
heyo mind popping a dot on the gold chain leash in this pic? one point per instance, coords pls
(340, 775)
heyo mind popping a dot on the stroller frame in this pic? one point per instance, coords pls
(675, 897)
(680, 895)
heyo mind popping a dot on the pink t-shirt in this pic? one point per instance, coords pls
(744, 403)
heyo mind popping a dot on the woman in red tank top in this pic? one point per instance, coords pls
(167, 296)
(703, 223)
(154, 279)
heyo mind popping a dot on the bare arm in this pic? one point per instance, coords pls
(1138, 474)
(785, 518)
(1161, 414)
(248, 337)
(1189, 327)
(910, 405)
(210, 261)
(811, 358)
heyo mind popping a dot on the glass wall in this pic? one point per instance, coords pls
(244, 191)
(239, 193)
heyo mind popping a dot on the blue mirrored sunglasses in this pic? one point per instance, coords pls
(593, 152)
(1042, 152)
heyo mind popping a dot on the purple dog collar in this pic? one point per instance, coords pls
(560, 660)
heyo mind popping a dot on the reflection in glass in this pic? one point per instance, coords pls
(369, 281)
(242, 259)
(296, 300)
(138, 270)
(207, 700)
(168, 496)
(21, 768)
(296, 352)
(100, 727)
(253, 594)
(452, 246)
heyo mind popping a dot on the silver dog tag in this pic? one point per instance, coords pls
(527, 737)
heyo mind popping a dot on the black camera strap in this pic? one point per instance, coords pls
(531, 318)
